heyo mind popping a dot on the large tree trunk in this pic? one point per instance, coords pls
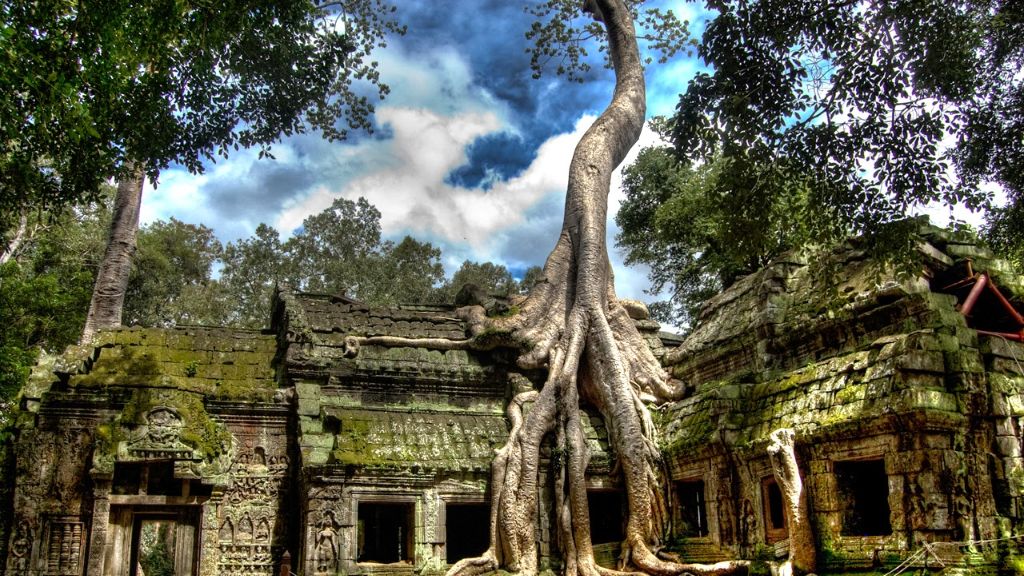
(572, 325)
(18, 237)
(112, 277)
(782, 452)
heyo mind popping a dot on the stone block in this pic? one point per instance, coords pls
(965, 361)
(969, 251)
(922, 361)
(1004, 348)
(881, 369)
(1008, 446)
(309, 406)
(1000, 407)
(315, 457)
(929, 400)
(1016, 404)
(1005, 383)
(904, 463)
(310, 425)
(1013, 366)
(730, 392)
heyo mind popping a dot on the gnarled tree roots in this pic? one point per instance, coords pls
(572, 325)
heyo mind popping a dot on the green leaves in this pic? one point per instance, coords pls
(860, 101)
(563, 36)
(89, 86)
(699, 228)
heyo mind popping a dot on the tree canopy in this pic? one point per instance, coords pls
(875, 107)
(700, 227)
(817, 121)
(44, 290)
(92, 88)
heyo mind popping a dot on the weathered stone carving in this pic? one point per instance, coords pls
(160, 437)
(327, 545)
(64, 548)
(21, 546)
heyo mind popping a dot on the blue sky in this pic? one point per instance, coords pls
(470, 153)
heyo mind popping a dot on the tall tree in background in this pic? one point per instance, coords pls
(334, 250)
(121, 89)
(252, 268)
(44, 289)
(403, 273)
(171, 279)
(858, 103)
(698, 228)
(492, 279)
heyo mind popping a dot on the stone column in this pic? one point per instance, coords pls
(209, 547)
(100, 531)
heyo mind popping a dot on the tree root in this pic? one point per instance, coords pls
(572, 325)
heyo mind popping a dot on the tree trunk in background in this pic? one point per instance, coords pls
(14, 244)
(112, 276)
(782, 453)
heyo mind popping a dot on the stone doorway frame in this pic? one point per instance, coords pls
(125, 528)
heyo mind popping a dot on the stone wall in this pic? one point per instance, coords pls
(257, 452)
(886, 385)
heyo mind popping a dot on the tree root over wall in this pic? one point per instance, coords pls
(573, 325)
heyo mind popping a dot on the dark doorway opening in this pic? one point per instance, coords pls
(385, 532)
(693, 514)
(774, 511)
(467, 530)
(154, 478)
(864, 497)
(605, 516)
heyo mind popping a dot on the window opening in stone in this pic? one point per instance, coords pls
(127, 478)
(605, 516)
(774, 513)
(385, 532)
(693, 515)
(467, 530)
(864, 497)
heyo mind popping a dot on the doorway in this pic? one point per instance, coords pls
(164, 543)
(154, 541)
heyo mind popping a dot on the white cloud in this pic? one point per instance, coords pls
(435, 111)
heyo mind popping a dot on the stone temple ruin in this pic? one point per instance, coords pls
(210, 451)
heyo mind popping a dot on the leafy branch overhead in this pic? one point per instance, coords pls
(562, 36)
(90, 87)
(876, 107)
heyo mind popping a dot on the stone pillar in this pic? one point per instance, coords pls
(209, 548)
(100, 531)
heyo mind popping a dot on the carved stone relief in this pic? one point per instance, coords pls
(160, 437)
(249, 509)
(64, 548)
(327, 544)
(20, 551)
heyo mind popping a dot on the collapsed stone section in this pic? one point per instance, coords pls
(906, 418)
(222, 451)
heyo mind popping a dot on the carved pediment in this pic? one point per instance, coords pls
(160, 437)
